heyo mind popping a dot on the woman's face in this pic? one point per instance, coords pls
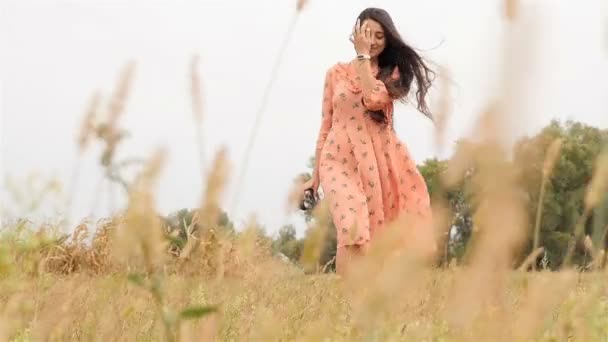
(378, 39)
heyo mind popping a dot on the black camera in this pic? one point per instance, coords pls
(309, 201)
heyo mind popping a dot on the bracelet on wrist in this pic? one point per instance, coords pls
(363, 56)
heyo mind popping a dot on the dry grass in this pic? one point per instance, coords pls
(125, 285)
(273, 301)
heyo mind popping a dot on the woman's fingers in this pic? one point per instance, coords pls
(361, 32)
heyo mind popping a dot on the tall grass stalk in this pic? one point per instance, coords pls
(548, 165)
(197, 109)
(244, 166)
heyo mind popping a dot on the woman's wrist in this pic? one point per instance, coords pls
(363, 56)
(360, 60)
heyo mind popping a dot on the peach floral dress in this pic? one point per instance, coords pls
(365, 172)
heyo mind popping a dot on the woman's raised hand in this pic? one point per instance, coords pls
(362, 38)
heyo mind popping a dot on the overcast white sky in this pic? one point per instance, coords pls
(54, 54)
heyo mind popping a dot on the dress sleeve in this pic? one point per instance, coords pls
(326, 113)
(379, 98)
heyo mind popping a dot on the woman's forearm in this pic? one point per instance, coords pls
(364, 71)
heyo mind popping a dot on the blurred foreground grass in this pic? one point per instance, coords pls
(257, 296)
(284, 306)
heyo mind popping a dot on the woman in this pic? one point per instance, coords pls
(366, 173)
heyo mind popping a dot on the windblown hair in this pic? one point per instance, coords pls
(398, 54)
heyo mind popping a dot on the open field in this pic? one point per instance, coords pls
(527, 261)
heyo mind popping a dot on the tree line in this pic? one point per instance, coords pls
(563, 201)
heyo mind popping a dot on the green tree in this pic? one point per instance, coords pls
(177, 224)
(287, 243)
(563, 202)
(460, 224)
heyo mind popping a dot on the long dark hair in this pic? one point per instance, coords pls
(411, 65)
